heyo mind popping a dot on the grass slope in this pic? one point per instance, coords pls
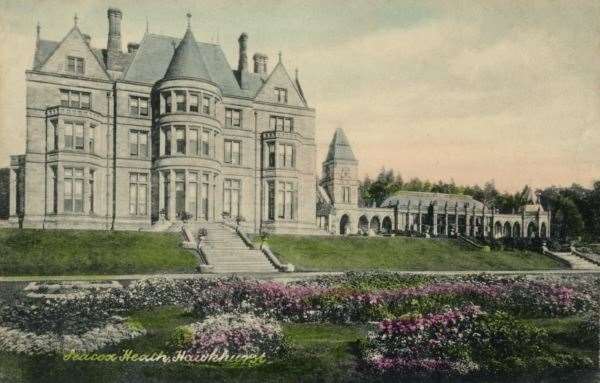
(68, 252)
(398, 253)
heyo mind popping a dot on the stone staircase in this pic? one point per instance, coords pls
(228, 253)
(575, 262)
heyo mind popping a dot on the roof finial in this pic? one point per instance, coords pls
(75, 19)
(279, 56)
(147, 25)
(296, 74)
(38, 29)
(189, 17)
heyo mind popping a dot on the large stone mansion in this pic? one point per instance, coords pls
(167, 130)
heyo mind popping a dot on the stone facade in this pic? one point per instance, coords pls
(165, 130)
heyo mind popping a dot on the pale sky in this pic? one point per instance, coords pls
(465, 90)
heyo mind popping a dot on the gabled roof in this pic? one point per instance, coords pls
(187, 61)
(43, 50)
(339, 148)
(154, 56)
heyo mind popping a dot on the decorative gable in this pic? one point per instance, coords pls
(279, 88)
(73, 56)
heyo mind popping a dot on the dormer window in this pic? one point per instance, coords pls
(75, 65)
(282, 124)
(74, 99)
(281, 95)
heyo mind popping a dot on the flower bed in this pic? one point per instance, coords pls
(19, 341)
(234, 334)
(461, 341)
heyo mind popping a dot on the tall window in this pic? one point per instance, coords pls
(75, 99)
(271, 200)
(79, 136)
(204, 196)
(286, 156)
(180, 101)
(75, 65)
(73, 190)
(232, 152)
(179, 191)
(138, 143)
(194, 102)
(282, 124)
(193, 150)
(205, 143)
(180, 139)
(231, 197)
(206, 104)
(138, 193)
(92, 139)
(271, 154)
(232, 118)
(286, 200)
(346, 194)
(281, 95)
(168, 141)
(91, 189)
(193, 193)
(138, 106)
(54, 127)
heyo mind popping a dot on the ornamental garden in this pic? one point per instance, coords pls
(358, 326)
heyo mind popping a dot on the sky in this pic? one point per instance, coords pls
(469, 91)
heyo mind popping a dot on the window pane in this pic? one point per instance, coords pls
(143, 138)
(273, 123)
(236, 118)
(228, 151)
(235, 196)
(64, 97)
(167, 97)
(79, 136)
(205, 144)
(206, 105)
(194, 141)
(142, 199)
(68, 136)
(132, 198)
(235, 153)
(71, 64)
(133, 106)
(74, 99)
(85, 100)
(180, 140)
(180, 100)
(193, 102)
(133, 143)
(143, 106)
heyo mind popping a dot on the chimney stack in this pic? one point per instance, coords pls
(132, 47)
(243, 42)
(114, 47)
(260, 63)
(114, 29)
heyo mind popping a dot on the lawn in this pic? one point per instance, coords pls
(69, 252)
(317, 353)
(398, 253)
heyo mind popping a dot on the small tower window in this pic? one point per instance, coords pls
(281, 95)
(194, 102)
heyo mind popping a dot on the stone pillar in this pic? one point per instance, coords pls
(161, 193)
(13, 193)
(61, 134)
(456, 231)
(161, 142)
(435, 221)
(420, 218)
(483, 222)
(396, 217)
(467, 223)
(474, 227)
(86, 190)
(171, 208)
(173, 140)
(523, 228)
(446, 219)
(408, 216)
(493, 228)
(61, 189)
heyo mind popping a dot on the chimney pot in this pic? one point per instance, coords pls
(114, 29)
(132, 47)
(260, 63)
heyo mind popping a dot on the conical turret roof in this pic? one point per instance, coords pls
(339, 148)
(187, 62)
